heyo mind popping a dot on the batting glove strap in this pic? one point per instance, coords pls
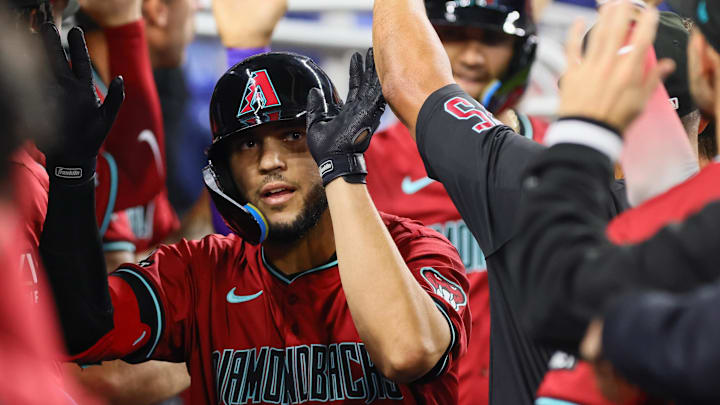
(350, 167)
(62, 171)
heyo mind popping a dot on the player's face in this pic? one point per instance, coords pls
(273, 168)
(477, 56)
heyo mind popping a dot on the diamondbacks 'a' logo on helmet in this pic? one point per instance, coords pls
(259, 93)
(452, 293)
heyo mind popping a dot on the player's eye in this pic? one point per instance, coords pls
(247, 144)
(494, 38)
(294, 136)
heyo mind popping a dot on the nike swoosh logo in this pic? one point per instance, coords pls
(149, 137)
(237, 299)
(410, 187)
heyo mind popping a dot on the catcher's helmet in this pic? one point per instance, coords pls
(512, 17)
(265, 88)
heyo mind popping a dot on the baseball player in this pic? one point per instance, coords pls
(651, 338)
(320, 298)
(491, 65)
(480, 163)
(127, 171)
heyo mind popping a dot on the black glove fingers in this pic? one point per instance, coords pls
(113, 101)
(79, 56)
(53, 48)
(315, 107)
(356, 76)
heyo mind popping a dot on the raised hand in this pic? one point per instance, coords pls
(608, 84)
(84, 122)
(337, 139)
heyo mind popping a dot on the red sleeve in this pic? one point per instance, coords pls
(137, 139)
(152, 304)
(436, 265)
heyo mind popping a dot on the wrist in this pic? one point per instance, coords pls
(350, 166)
(587, 132)
(70, 172)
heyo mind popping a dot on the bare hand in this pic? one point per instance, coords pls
(247, 23)
(611, 384)
(609, 83)
(112, 13)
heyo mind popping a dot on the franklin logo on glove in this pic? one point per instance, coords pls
(69, 172)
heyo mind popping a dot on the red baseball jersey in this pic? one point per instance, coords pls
(398, 184)
(251, 334)
(576, 383)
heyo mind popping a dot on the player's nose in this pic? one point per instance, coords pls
(472, 54)
(271, 159)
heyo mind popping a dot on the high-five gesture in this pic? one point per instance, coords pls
(84, 122)
(337, 139)
(608, 83)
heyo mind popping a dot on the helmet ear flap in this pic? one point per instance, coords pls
(241, 217)
(514, 82)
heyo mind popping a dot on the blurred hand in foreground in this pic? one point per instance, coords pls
(608, 83)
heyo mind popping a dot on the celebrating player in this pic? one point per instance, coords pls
(492, 65)
(333, 303)
(480, 163)
(652, 339)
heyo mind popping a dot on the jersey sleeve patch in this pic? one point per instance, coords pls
(448, 290)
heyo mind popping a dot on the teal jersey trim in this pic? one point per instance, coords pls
(99, 83)
(526, 126)
(290, 279)
(552, 401)
(157, 307)
(119, 247)
(113, 193)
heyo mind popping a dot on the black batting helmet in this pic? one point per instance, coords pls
(265, 88)
(512, 17)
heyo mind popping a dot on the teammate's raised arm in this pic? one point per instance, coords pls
(411, 61)
(70, 237)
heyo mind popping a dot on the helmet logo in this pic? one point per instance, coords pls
(259, 93)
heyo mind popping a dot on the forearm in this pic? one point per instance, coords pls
(410, 59)
(399, 323)
(138, 384)
(137, 140)
(72, 253)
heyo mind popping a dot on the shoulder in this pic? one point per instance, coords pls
(413, 237)
(210, 248)
(674, 205)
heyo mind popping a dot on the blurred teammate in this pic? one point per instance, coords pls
(649, 348)
(119, 44)
(126, 178)
(569, 379)
(492, 64)
(29, 342)
(305, 314)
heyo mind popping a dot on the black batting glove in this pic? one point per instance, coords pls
(84, 122)
(338, 138)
